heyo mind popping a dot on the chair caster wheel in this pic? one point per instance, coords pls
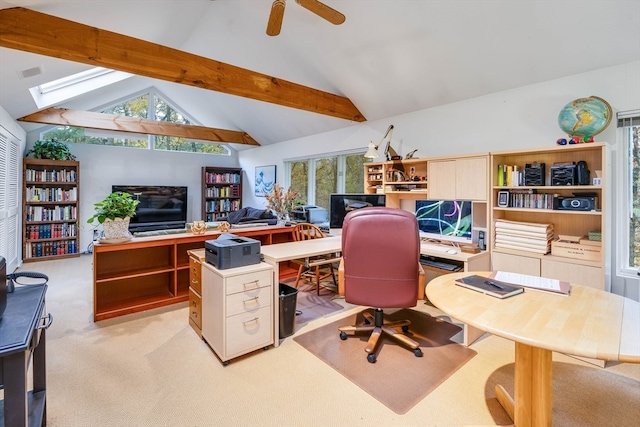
(417, 352)
(343, 336)
(371, 358)
(405, 328)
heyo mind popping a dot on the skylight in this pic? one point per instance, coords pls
(56, 91)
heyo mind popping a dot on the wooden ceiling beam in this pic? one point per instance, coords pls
(91, 120)
(36, 32)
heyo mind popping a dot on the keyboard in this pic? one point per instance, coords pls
(437, 248)
(439, 264)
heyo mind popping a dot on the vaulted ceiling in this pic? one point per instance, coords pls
(388, 58)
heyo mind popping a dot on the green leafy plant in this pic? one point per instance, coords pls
(50, 149)
(116, 205)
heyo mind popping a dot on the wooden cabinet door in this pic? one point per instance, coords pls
(441, 180)
(471, 178)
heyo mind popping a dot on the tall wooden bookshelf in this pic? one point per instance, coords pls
(221, 191)
(50, 206)
(587, 271)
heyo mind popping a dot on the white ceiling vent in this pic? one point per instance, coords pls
(30, 72)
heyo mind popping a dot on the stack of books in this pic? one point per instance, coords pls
(524, 236)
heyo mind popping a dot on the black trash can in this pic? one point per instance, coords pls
(288, 300)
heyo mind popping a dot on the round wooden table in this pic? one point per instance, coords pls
(588, 323)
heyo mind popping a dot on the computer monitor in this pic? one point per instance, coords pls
(342, 204)
(445, 219)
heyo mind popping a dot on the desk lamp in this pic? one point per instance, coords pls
(389, 152)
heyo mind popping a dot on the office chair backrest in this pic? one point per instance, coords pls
(307, 231)
(381, 251)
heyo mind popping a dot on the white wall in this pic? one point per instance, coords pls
(103, 166)
(520, 118)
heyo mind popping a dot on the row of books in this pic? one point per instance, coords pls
(523, 236)
(42, 249)
(37, 194)
(509, 176)
(215, 178)
(62, 175)
(530, 199)
(56, 213)
(50, 231)
(222, 205)
(231, 191)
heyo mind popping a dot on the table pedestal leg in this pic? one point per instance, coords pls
(531, 406)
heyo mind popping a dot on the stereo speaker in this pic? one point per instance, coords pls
(534, 174)
(574, 203)
(563, 174)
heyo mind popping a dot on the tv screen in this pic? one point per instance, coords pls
(160, 207)
(445, 219)
(341, 204)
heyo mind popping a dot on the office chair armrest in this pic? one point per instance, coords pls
(341, 277)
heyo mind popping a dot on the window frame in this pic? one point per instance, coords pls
(341, 172)
(624, 187)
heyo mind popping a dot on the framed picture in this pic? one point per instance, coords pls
(265, 178)
(503, 199)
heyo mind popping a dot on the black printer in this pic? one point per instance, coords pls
(230, 251)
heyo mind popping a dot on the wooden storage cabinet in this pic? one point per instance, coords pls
(373, 177)
(154, 271)
(50, 207)
(463, 178)
(566, 222)
(221, 191)
(237, 308)
(196, 258)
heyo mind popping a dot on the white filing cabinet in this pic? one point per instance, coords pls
(237, 307)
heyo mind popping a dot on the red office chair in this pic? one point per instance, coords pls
(380, 268)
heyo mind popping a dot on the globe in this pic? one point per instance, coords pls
(585, 117)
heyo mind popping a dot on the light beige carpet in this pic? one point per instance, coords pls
(398, 378)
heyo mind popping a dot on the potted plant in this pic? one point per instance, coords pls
(281, 202)
(50, 149)
(114, 213)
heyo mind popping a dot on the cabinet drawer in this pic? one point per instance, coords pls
(250, 301)
(515, 264)
(195, 280)
(249, 282)
(574, 273)
(195, 308)
(248, 331)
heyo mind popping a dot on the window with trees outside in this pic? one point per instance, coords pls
(629, 249)
(317, 178)
(149, 105)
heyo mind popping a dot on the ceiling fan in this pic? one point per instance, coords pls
(322, 10)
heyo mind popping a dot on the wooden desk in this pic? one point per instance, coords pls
(588, 323)
(282, 252)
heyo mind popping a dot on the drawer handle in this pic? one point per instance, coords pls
(194, 281)
(254, 299)
(254, 283)
(254, 320)
(194, 303)
(194, 314)
(48, 320)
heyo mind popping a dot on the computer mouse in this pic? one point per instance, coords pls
(452, 251)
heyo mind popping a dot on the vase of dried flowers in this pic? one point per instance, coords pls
(281, 202)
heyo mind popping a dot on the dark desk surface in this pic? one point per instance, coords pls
(24, 308)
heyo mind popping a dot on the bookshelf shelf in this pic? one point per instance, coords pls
(50, 206)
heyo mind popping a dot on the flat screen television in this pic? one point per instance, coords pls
(160, 207)
(445, 219)
(341, 204)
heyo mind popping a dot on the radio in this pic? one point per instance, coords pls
(574, 203)
(563, 174)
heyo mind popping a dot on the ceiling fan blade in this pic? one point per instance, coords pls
(323, 11)
(275, 18)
